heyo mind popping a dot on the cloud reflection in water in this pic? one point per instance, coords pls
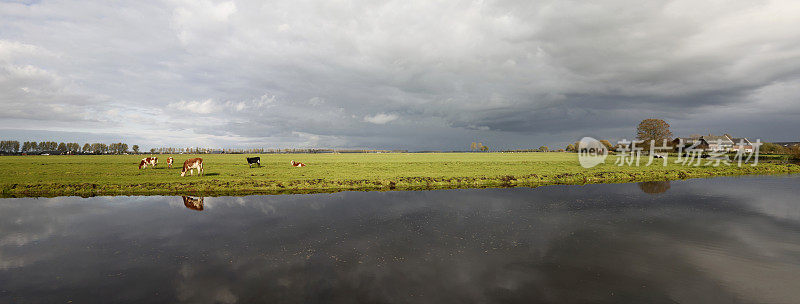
(697, 242)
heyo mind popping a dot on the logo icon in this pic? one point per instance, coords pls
(591, 152)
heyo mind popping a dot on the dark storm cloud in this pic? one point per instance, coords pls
(398, 74)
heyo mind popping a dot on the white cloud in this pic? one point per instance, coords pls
(194, 19)
(380, 118)
(207, 106)
(13, 50)
(30, 92)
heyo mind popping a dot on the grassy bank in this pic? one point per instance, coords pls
(230, 174)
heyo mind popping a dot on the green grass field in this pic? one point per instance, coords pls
(230, 174)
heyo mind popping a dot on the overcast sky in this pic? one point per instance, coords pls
(406, 74)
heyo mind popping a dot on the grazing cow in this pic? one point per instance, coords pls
(253, 161)
(298, 164)
(152, 161)
(169, 162)
(193, 203)
(191, 164)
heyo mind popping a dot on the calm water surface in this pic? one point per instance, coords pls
(722, 240)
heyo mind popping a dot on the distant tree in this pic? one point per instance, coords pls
(118, 148)
(484, 148)
(473, 146)
(73, 147)
(135, 149)
(575, 146)
(48, 146)
(11, 146)
(544, 149)
(770, 148)
(153, 150)
(29, 146)
(571, 148)
(86, 148)
(62, 147)
(99, 148)
(607, 144)
(794, 152)
(653, 129)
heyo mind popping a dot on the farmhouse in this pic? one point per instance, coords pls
(742, 143)
(715, 143)
(719, 143)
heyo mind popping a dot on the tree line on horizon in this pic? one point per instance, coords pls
(28, 147)
(649, 129)
(52, 147)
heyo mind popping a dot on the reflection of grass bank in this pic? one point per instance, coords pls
(230, 175)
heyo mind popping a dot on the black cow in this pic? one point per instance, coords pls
(254, 160)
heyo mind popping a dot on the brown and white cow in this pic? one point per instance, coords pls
(298, 164)
(152, 161)
(193, 203)
(169, 162)
(191, 164)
